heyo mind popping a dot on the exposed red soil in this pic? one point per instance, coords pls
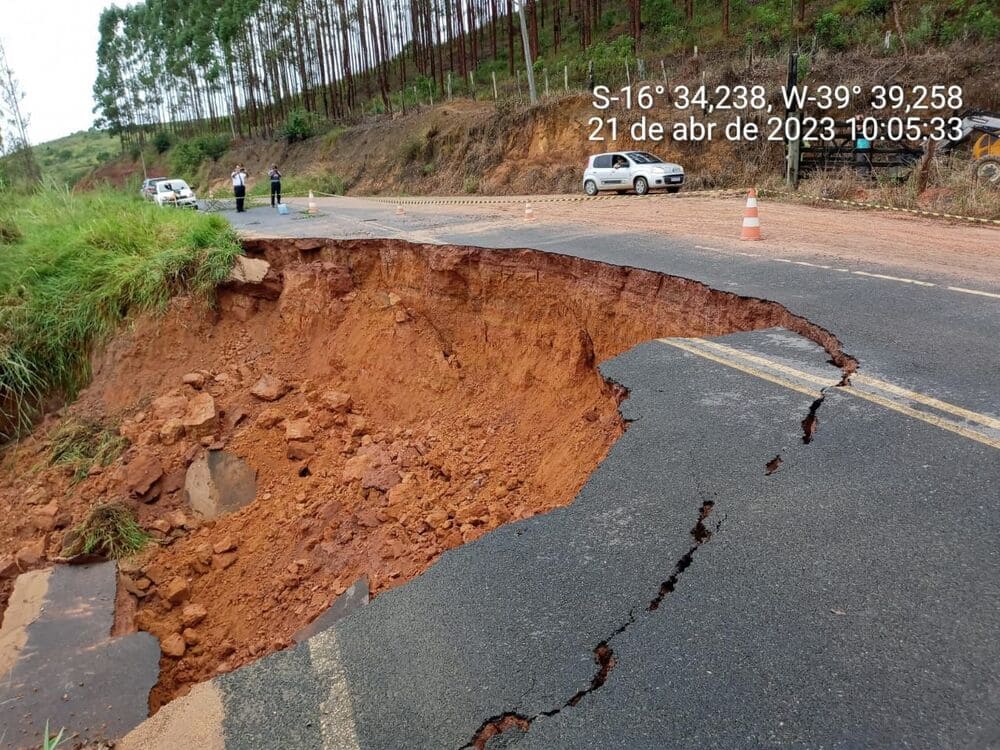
(474, 401)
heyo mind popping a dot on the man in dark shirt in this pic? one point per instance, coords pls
(275, 176)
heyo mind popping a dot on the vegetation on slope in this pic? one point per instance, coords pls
(73, 267)
(293, 65)
(66, 160)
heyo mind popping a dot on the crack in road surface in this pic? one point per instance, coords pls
(604, 655)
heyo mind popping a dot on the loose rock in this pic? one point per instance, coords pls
(298, 429)
(192, 615)
(173, 646)
(337, 401)
(176, 591)
(269, 418)
(171, 431)
(170, 406)
(299, 450)
(270, 388)
(201, 418)
(226, 544)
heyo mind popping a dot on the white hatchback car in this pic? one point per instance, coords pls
(174, 193)
(631, 170)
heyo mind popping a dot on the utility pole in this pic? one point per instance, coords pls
(793, 151)
(532, 94)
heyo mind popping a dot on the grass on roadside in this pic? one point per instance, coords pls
(81, 444)
(78, 265)
(110, 529)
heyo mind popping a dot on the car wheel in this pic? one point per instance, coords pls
(641, 186)
(673, 190)
(590, 187)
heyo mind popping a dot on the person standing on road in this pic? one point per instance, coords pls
(275, 176)
(239, 186)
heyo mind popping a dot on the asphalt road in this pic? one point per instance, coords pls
(847, 599)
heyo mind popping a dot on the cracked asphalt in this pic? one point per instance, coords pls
(847, 600)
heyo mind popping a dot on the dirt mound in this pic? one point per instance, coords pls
(394, 400)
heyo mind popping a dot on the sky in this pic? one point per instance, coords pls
(52, 48)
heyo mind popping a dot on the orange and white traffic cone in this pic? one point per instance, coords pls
(312, 203)
(751, 222)
(529, 214)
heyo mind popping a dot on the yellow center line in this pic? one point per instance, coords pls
(958, 411)
(859, 379)
(771, 365)
(744, 368)
(736, 358)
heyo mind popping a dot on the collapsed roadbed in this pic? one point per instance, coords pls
(389, 400)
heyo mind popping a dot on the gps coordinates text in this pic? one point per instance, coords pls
(895, 112)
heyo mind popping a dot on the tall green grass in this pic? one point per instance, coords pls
(75, 268)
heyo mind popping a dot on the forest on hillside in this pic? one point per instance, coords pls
(260, 67)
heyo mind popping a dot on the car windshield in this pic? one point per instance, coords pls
(641, 157)
(172, 185)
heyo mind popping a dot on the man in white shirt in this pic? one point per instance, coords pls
(239, 186)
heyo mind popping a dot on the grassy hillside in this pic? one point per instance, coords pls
(73, 267)
(65, 161)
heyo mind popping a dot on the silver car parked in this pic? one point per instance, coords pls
(631, 170)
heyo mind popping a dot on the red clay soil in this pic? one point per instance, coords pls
(474, 401)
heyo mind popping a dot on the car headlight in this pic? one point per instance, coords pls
(676, 170)
(658, 170)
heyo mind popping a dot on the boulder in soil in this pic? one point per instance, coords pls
(176, 591)
(254, 277)
(170, 406)
(142, 473)
(171, 431)
(298, 429)
(201, 419)
(270, 388)
(194, 379)
(192, 615)
(218, 483)
(337, 401)
(299, 450)
(382, 478)
(173, 646)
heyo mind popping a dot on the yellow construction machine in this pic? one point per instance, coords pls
(982, 130)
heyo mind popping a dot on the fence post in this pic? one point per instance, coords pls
(449, 85)
(695, 55)
(472, 85)
(493, 74)
(518, 83)
(566, 77)
(628, 77)
(663, 69)
(416, 96)
(545, 71)
(430, 91)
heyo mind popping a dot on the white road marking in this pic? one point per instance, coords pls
(338, 723)
(974, 291)
(886, 277)
(893, 278)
